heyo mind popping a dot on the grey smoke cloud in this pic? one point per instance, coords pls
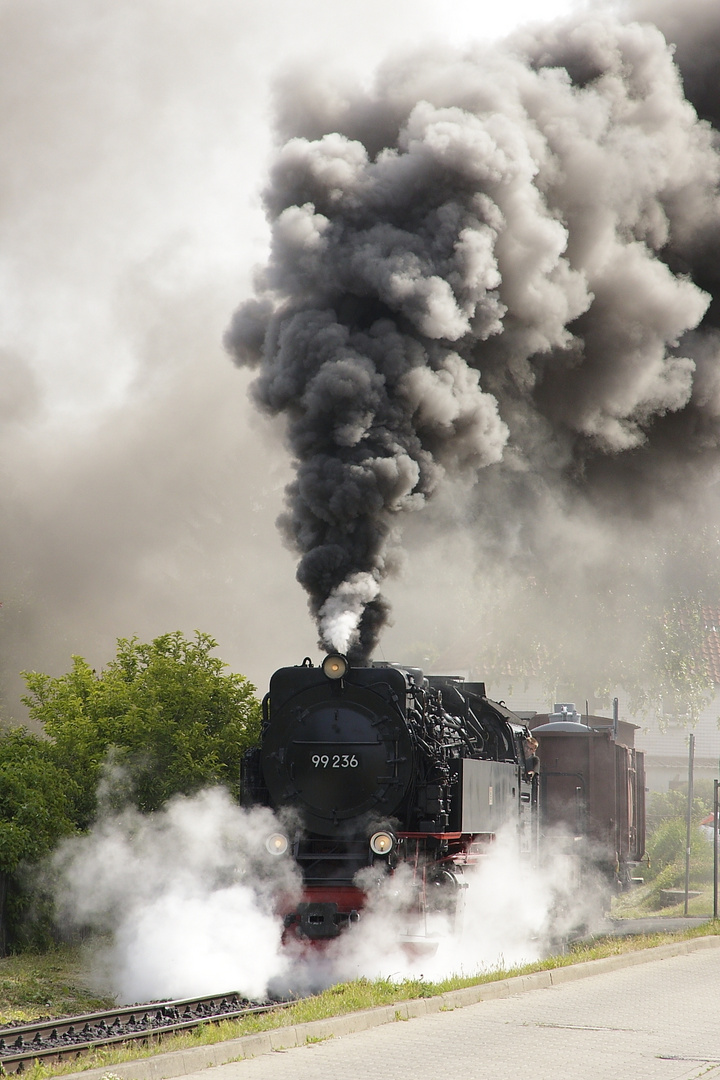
(489, 266)
(139, 490)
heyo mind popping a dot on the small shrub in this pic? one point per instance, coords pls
(666, 849)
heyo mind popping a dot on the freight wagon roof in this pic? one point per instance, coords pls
(541, 724)
(564, 727)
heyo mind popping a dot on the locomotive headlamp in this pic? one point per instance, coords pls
(382, 843)
(277, 844)
(334, 666)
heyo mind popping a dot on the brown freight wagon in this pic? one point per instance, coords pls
(592, 784)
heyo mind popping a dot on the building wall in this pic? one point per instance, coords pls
(666, 752)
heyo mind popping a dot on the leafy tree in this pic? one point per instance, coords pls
(672, 677)
(164, 716)
(664, 806)
(666, 851)
(36, 808)
(36, 799)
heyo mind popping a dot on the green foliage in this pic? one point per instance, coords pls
(165, 717)
(666, 850)
(667, 841)
(664, 806)
(667, 845)
(49, 984)
(36, 809)
(36, 799)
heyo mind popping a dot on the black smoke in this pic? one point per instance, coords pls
(495, 267)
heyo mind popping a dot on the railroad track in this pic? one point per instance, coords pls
(52, 1040)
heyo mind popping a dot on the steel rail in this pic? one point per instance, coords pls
(71, 1035)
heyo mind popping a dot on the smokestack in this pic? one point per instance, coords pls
(493, 267)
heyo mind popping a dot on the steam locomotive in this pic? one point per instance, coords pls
(383, 767)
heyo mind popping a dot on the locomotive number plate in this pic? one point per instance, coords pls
(335, 761)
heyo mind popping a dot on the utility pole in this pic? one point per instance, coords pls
(691, 761)
(716, 786)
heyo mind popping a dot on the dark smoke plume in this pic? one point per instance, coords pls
(494, 267)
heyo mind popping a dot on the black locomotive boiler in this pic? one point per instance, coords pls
(382, 766)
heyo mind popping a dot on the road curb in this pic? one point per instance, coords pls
(181, 1062)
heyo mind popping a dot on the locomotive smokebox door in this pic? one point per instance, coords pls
(337, 747)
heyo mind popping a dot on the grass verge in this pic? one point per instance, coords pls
(336, 1001)
(34, 986)
(643, 900)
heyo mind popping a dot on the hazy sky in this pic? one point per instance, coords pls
(138, 487)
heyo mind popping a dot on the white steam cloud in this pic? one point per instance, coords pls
(186, 895)
(185, 902)
(513, 909)
(339, 617)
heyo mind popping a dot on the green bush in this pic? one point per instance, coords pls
(162, 719)
(663, 806)
(666, 849)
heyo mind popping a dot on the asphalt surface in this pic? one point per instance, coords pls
(652, 1014)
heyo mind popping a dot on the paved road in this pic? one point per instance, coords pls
(658, 1020)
